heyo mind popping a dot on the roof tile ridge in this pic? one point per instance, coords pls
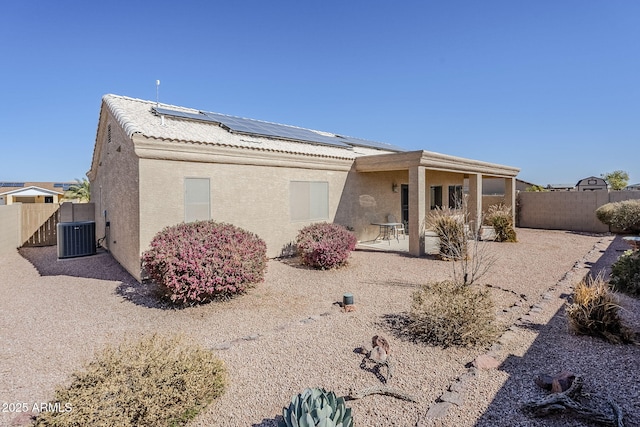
(120, 114)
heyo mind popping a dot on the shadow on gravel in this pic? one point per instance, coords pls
(101, 266)
(268, 422)
(609, 371)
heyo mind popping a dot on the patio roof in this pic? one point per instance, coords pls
(433, 161)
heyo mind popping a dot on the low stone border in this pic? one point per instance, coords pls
(454, 395)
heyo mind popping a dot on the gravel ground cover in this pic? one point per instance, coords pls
(289, 333)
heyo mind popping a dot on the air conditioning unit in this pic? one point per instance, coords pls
(76, 239)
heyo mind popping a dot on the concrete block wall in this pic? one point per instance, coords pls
(73, 212)
(567, 210)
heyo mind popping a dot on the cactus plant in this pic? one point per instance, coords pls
(315, 407)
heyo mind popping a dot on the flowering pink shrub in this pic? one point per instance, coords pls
(324, 245)
(205, 260)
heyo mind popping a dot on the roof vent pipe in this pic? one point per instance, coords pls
(157, 93)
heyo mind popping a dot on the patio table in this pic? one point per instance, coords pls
(385, 231)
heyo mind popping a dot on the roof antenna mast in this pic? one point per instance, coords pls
(157, 93)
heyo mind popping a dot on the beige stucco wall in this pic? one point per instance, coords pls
(368, 198)
(10, 226)
(255, 198)
(115, 195)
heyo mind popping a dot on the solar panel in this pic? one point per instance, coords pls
(257, 127)
(11, 184)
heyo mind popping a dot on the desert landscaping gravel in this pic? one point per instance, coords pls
(289, 333)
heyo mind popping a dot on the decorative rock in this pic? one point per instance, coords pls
(222, 346)
(557, 383)
(438, 410)
(253, 337)
(459, 386)
(485, 362)
(452, 397)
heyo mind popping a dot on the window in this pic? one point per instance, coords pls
(197, 203)
(308, 200)
(436, 197)
(455, 196)
(48, 199)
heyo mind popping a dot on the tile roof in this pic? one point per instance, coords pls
(169, 122)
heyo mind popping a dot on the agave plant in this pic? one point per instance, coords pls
(315, 407)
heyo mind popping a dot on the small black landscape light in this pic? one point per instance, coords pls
(347, 299)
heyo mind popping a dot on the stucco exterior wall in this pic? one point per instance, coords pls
(255, 198)
(368, 198)
(115, 194)
(570, 210)
(10, 226)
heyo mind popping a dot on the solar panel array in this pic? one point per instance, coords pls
(11, 184)
(257, 127)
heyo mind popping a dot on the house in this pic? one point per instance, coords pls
(591, 183)
(156, 165)
(32, 192)
(634, 187)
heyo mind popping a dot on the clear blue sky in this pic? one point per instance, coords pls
(549, 86)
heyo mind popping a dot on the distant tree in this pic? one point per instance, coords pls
(535, 187)
(617, 180)
(80, 190)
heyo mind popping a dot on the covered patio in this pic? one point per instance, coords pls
(437, 180)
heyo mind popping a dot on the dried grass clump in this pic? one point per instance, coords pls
(500, 217)
(448, 224)
(594, 312)
(153, 382)
(446, 313)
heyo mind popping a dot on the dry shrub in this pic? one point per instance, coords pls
(153, 382)
(446, 313)
(625, 273)
(594, 311)
(500, 217)
(448, 224)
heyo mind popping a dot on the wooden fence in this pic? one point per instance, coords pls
(39, 221)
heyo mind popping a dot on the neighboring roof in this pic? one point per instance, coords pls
(599, 180)
(30, 191)
(550, 186)
(169, 122)
(7, 186)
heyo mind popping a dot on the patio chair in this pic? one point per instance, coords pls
(397, 229)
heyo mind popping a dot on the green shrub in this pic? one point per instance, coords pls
(500, 217)
(594, 311)
(446, 313)
(204, 260)
(153, 382)
(625, 273)
(448, 224)
(324, 246)
(624, 216)
(316, 407)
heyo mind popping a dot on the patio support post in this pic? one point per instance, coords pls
(475, 199)
(417, 209)
(510, 195)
